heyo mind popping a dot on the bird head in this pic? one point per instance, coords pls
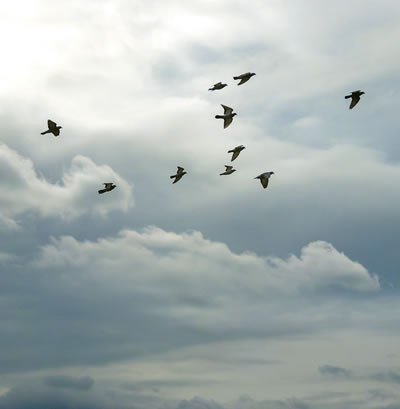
(362, 92)
(234, 114)
(271, 173)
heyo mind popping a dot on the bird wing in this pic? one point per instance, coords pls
(243, 80)
(56, 132)
(235, 155)
(227, 110)
(227, 122)
(354, 101)
(177, 178)
(52, 125)
(264, 181)
(180, 170)
(107, 185)
(218, 84)
(228, 168)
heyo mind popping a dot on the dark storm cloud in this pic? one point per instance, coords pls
(336, 371)
(69, 382)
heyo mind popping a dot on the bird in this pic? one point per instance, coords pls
(355, 98)
(53, 128)
(264, 178)
(227, 117)
(180, 172)
(107, 188)
(218, 85)
(235, 152)
(244, 77)
(228, 170)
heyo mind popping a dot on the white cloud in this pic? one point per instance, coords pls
(199, 278)
(26, 191)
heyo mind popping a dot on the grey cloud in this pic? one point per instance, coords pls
(388, 376)
(199, 403)
(69, 382)
(106, 297)
(336, 371)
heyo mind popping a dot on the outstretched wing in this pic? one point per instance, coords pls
(227, 110)
(52, 125)
(228, 168)
(108, 185)
(177, 178)
(180, 170)
(354, 101)
(235, 155)
(243, 80)
(264, 181)
(56, 132)
(227, 121)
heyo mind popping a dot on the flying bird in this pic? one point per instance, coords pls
(218, 85)
(355, 98)
(53, 128)
(179, 174)
(228, 170)
(227, 117)
(107, 187)
(264, 178)
(235, 152)
(244, 77)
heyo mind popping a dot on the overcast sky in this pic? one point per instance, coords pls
(211, 293)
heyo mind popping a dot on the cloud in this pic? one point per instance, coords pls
(155, 254)
(307, 122)
(29, 192)
(199, 403)
(69, 382)
(334, 371)
(392, 376)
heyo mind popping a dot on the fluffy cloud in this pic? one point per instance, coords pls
(190, 265)
(27, 191)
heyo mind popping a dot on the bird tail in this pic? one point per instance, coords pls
(347, 96)
(102, 191)
(45, 132)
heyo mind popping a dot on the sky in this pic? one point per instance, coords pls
(211, 293)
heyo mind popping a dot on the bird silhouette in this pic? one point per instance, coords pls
(107, 187)
(355, 98)
(227, 117)
(244, 77)
(53, 128)
(228, 170)
(179, 174)
(264, 178)
(235, 152)
(218, 85)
